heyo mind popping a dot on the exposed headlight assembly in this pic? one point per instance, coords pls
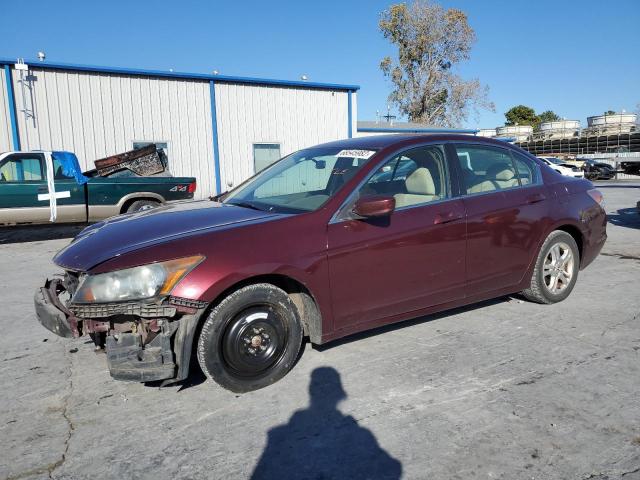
(137, 283)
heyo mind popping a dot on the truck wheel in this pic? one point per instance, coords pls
(556, 270)
(251, 339)
(140, 205)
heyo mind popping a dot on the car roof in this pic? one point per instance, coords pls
(378, 142)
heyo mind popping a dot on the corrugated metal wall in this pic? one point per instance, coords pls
(99, 114)
(293, 117)
(5, 122)
(96, 115)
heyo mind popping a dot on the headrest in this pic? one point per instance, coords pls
(500, 171)
(420, 182)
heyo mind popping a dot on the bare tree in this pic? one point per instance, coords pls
(431, 41)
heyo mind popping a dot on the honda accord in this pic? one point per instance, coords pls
(326, 242)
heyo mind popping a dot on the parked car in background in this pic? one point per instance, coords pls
(30, 180)
(594, 170)
(562, 167)
(329, 241)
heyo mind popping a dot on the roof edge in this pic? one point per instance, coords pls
(416, 130)
(183, 75)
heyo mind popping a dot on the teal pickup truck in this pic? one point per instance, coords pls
(43, 187)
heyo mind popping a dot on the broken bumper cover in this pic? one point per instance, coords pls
(163, 355)
(49, 315)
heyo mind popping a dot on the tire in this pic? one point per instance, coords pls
(140, 205)
(251, 339)
(543, 289)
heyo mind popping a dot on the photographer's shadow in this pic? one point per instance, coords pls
(322, 443)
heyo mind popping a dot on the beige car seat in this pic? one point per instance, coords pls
(420, 189)
(499, 176)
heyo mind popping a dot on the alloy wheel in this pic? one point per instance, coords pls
(558, 268)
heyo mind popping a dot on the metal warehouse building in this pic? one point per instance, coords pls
(220, 129)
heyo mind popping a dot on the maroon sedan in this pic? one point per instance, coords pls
(329, 241)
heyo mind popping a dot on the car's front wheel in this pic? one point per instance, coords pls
(251, 339)
(556, 270)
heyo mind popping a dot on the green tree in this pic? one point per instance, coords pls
(521, 115)
(431, 41)
(609, 112)
(548, 116)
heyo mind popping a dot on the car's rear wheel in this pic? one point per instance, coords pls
(251, 339)
(556, 270)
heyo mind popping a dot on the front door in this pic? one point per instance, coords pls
(506, 204)
(24, 195)
(405, 262)
(22, 179)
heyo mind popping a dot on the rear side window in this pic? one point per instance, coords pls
(58, 171)
(486, 169)
(525, 168)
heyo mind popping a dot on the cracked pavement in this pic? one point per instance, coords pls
(501, 390)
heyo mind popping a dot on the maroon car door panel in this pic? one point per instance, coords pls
(506, 207)
(410, 260)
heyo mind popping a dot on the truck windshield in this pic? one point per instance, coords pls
(300, 182)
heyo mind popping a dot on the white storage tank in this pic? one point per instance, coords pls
(558, 129)
(614, 119)
(520, 132)
(486, 132)
(611, 124)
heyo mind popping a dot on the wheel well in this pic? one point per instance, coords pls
(300, 295)
(127, 204)
(575, 233)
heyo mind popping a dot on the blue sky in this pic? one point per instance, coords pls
(577, 58)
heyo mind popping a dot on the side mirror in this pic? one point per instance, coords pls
(371, 206)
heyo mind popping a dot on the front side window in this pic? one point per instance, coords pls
(486, 169)
(21, 169)
(301, 182)
(415, 177)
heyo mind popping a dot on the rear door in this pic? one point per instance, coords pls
(506, 206)
(411, 260)
(70, 196)
(22, 179)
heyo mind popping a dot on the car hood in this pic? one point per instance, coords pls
(125, 233)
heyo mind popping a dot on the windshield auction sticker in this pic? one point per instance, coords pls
(366, 154)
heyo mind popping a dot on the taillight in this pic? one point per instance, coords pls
(597, 196)
(192, 187)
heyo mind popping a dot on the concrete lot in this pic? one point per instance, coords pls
(505, 389)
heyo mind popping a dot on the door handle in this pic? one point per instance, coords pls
(535, 198)
(442, 218)
(42, 189)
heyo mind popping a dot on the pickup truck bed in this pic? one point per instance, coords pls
(24, 194)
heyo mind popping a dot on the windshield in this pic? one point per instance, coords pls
(301, 182)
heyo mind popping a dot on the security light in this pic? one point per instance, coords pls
(41, 56)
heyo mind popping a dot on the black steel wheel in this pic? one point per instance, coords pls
(254, 340)
(251, 339)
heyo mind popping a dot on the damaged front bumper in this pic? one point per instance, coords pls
(144, 341)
